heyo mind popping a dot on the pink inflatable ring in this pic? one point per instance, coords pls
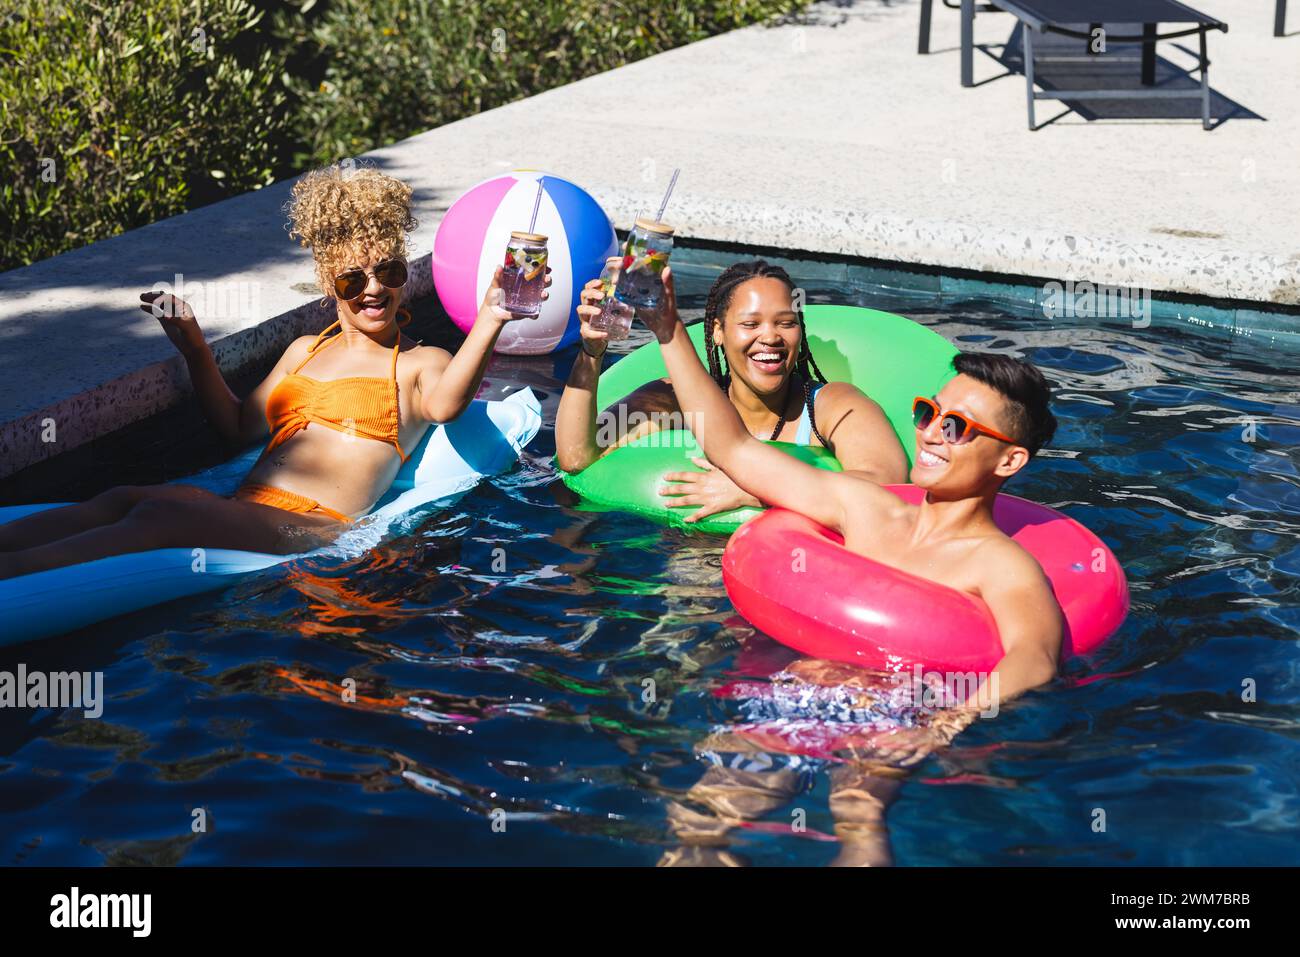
(828, 602)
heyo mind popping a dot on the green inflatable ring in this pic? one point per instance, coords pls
(890, 358)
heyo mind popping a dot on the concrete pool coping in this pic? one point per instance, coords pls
(808, 103)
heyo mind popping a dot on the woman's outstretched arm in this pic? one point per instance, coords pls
(448, 384)
(582, 436)
(237, 422)
(576, 444)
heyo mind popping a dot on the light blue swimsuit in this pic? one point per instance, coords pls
(803, 435)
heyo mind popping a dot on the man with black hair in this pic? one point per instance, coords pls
(982, 428)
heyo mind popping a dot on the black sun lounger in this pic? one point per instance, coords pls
(1139, 21)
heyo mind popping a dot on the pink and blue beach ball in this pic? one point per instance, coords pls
(471, 243)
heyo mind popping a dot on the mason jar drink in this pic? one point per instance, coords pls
(615, 317)
(523, 277)
(645, 254)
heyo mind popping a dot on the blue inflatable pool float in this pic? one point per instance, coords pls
(449, 461)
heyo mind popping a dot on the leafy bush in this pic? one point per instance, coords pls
(388, 69)
(116, 114)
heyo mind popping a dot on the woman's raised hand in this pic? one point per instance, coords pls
(492, 309)
(177, 320)
(663, 320)
(712, 490)
(590, 304)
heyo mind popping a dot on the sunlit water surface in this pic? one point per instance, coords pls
(501, 652)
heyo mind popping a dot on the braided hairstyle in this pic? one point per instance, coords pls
(720, 298)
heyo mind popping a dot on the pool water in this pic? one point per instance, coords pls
(502, 654)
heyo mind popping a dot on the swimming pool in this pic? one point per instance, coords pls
(501, 655)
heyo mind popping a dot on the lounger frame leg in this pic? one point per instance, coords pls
(1205, 82)
(923, 44)
(1028, 33)
(1279, 19)
(1149, 53)
(967, 42)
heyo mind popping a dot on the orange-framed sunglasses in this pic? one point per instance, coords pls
(957, 429)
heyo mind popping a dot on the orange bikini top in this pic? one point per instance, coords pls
(358, 405)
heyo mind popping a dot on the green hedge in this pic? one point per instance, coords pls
(114, 114)
(393, 68)
(147, 108)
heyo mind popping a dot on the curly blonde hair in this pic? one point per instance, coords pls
(349, 216)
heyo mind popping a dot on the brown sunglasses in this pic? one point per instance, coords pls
(351, 284)
(957, 429)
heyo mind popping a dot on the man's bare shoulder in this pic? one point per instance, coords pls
(1003, 562)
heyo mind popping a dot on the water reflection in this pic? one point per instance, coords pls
(580, 678)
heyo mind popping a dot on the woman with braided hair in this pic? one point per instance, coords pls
(758, 354)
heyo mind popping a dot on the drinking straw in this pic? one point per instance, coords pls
(537, 204)
(664, 205)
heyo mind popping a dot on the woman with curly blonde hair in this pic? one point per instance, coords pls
(338, 435)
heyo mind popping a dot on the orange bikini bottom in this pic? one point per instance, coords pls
(289, 501)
